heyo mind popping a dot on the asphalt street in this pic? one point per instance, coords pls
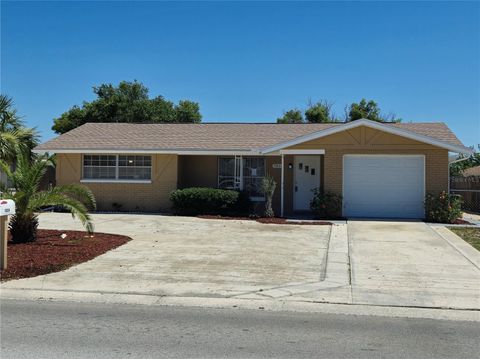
(35, 329)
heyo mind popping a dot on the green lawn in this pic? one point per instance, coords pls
(469, 235)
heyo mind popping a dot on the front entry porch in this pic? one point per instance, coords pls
(302, 174)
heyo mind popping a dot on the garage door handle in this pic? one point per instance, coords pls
(296, 188)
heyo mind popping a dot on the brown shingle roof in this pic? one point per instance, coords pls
(206, 136)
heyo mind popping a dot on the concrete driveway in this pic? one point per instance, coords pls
(184, 256)
(411, 264)
(383, 263)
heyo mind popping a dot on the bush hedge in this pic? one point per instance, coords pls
(199, 200)
(443, 207)
(326, 204)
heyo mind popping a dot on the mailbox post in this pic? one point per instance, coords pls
(7, 208)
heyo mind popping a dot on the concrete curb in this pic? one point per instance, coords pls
(248, 304)
(465, 249)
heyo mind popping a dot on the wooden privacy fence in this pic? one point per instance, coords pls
(469, 189)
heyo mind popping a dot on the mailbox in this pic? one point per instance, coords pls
(7, 207)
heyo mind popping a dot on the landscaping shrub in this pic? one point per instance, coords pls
(268, 189)
(196, 200)
(443, 207)
(326, 204)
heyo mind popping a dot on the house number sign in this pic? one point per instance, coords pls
(277, 165)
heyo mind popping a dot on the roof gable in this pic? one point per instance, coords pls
(386, 128)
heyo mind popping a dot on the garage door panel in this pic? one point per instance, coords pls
(383, 186)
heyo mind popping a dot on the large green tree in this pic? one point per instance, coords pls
(13, 133)
(127, 102)
(368, 110)
(291, 116)
(320, 112)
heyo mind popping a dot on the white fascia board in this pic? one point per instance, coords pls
(372, 124)
(302, 152)
(147, 151)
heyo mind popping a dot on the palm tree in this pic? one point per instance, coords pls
(76, 199)
(267, 187)
(13, 132)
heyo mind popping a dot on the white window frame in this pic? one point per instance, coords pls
(116, 179)
(238, 178)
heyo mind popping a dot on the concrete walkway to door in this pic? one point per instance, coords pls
(409, 264)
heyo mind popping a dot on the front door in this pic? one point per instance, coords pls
(306, 178)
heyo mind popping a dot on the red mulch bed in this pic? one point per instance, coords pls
(265, 220)
(462, 221)
(51, 253)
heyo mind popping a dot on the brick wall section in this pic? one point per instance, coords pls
(436, 167)
(145, 197)
(364, 140)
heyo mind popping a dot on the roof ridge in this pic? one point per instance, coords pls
(256, 123)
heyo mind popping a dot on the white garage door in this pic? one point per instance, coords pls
(383, 186)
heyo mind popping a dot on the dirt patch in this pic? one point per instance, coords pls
(265, 220)
(52, 253)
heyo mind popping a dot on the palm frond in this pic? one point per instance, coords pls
(75, 207)
(78, 192)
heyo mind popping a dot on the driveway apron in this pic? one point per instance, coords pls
(409, 264)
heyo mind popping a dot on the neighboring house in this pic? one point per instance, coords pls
(381, 169)
(472, 171)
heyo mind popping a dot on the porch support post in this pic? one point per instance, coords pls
(282, 185)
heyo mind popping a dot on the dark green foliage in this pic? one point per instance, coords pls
(127, 102)
(326, 204)
(268, 189)
(292, 116)
(29, 199)
(368, 110)
(23, 228)
(443, 207)
(244, 205)
(456, 168)
(320, 112)
(13, 133)
(199, 200)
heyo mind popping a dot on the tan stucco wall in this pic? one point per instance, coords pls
(363, 140)
(147, 197)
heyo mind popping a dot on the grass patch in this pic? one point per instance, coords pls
(469, 235)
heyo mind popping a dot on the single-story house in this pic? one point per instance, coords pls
(380, 169)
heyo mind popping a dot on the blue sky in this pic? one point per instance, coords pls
(248, 61)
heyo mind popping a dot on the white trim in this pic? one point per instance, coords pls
(302, 152)
(372, 124)
(150, 152)
(380, 155)
(113, 181)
